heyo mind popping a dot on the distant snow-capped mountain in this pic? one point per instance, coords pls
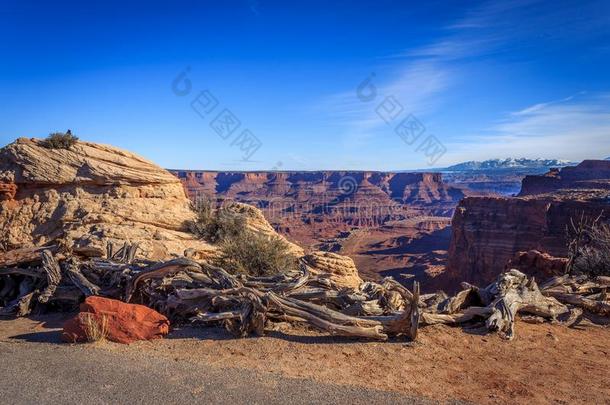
(509, 163)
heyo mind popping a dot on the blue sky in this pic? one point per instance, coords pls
(471, 80)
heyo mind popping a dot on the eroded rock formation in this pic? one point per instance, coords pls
(341, 195)
(88, 195)
(488, 232)
(338, 270)
(590, 174)
(373, 217)
(538, 264)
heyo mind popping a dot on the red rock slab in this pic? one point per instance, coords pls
(125, 323)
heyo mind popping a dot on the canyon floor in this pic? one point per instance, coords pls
(544, 364)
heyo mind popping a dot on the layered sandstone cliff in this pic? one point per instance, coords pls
(90, 194)
(310, 192)
(488, 232)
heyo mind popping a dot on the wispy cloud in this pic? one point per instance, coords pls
(414, 87)
(574, 128)
(420, 78)
(426, 74)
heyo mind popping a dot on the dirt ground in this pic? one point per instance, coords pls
(543, 364)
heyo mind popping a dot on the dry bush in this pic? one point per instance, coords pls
(216, 224)
(255, 254)
(59, 140)
(593, 256)
(589, 247)
(244, 251)
(95, 327)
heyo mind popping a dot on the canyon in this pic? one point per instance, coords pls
(390, 224)
(488, 231)
(435, 228)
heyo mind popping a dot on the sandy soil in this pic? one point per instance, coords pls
(544, 364)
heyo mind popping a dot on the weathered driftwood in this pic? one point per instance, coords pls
(53, 274)
(20, 256)
(86, 286)
(189, 291)
(515, 292)
(468, 315)
(599, 307)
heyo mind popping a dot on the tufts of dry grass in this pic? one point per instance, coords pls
(95, 327)
(243, 250)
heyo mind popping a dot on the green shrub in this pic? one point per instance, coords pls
(59, 140)
(243, 251)
(215, 225)
(255, 254)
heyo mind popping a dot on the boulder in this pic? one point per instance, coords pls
(538, 264)
(121, 322)
(338, 270)
(256, 222)
(83, 197)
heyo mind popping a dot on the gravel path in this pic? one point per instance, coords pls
(39, 372)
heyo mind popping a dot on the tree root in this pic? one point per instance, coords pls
(188, 291)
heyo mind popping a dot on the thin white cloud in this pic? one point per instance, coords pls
(426, 74)
(574, 128)
(540, 106)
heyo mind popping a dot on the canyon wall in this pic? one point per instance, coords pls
(388, 223)
(588, 175)
(339, 197)
(488, 231)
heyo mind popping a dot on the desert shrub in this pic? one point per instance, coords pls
(243, 250)
(593, 255)
(205, 217)
(59, 140)
(95, 328)
(255, 254)
(215, 225)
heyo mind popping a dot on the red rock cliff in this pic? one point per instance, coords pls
(590, 174)
(310, 206)
(487, 232)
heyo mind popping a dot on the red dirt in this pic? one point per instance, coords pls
(544, 364)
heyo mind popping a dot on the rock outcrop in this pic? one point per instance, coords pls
(90, 194)
(81, 198)
(538, 264)
(340, 271)
(115, 321)
(256, 222)
(488, 232)
(588, 175)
